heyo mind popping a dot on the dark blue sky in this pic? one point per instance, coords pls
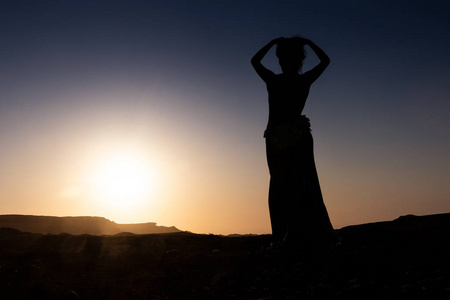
(177, 75)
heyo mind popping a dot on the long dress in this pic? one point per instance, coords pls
(297, 211)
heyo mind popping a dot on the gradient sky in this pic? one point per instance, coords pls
(170, 83)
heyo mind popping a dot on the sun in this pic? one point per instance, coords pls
(123, 181)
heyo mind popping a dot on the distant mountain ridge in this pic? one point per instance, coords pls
(78, 225)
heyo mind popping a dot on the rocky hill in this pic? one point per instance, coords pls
(77, 225)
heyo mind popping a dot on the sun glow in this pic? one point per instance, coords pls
(123, 181)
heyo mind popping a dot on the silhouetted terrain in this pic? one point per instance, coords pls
(77, 225)
(402, 259)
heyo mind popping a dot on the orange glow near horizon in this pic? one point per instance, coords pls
(137, 168)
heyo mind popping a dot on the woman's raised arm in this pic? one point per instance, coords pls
(256, 59)
(315, 72)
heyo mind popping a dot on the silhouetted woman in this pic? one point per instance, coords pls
(297, 213)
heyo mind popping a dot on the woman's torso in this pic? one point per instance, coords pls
(287, 97)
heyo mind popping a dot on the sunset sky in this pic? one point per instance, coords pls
(156, 103)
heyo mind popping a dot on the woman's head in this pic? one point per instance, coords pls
(291, 54)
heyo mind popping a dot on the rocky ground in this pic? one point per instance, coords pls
(403, 259)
